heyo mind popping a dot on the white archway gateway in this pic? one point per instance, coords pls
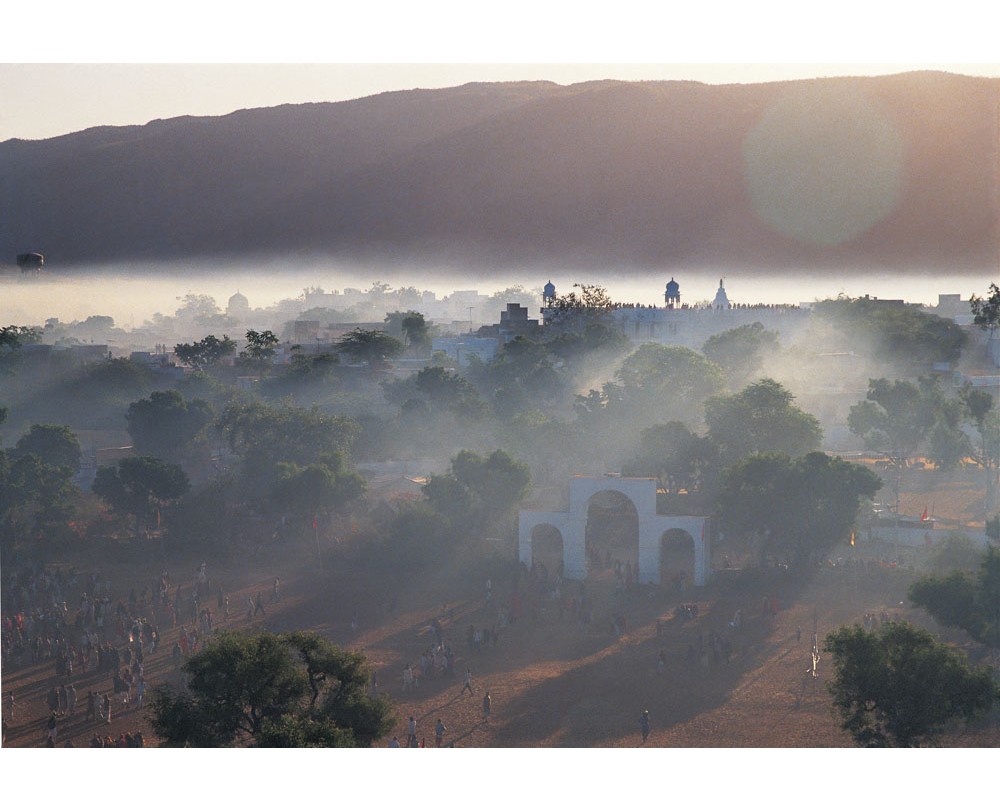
(572, 525)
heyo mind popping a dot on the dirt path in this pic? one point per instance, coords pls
(554, 682)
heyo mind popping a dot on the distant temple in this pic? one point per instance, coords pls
(674, 323)
(721, 301)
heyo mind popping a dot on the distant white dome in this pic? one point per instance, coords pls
(238, 303)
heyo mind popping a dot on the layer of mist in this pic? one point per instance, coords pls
(133, 294)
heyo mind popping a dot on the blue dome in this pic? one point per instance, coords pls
(549, 290)
(673, 288)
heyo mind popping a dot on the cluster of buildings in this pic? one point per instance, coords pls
(674, 323)
(464, 326)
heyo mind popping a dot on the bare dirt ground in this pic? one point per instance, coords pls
(553, 681)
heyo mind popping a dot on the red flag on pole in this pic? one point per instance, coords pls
(924, 516)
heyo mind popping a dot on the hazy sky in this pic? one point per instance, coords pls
(86, 64)
(70, 97)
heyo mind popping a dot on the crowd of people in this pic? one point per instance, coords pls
(92, 642)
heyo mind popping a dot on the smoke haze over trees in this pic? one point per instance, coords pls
(179, 396)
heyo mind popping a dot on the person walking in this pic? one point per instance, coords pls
(52, 699)
(487, 706)
(9, 705)
(644, 725)
(411, 736)
(439, 730)
(468, 683)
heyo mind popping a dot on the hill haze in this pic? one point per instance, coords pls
(893, 173)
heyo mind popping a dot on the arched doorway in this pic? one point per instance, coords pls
(676, 559)
(547, 550)
(612, 533)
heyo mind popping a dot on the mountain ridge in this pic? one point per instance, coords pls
(602, 173)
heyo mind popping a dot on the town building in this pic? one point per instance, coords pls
(674, 323)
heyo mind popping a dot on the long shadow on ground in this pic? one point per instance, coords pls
(580, 706)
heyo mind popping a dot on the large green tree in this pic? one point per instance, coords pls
(274, 690)
(518, 378)
(449, 391)
(900, 418)
(479, 492)
(963, 600)
(675, 455)
(597, 342)
(34, 496)
(36, 483)
(894, 418)
(656, 384)
(207, 352)
(371, 347)
(411, 327)
(260, 350)
(899, 686)
(140, 486)
(673, 371)
(793, 509)
(266, 434)
(760, 418)
(316, 489)
(740, 351)
(574, 311)
(896, 334)
(166, 425)
(52, 444)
